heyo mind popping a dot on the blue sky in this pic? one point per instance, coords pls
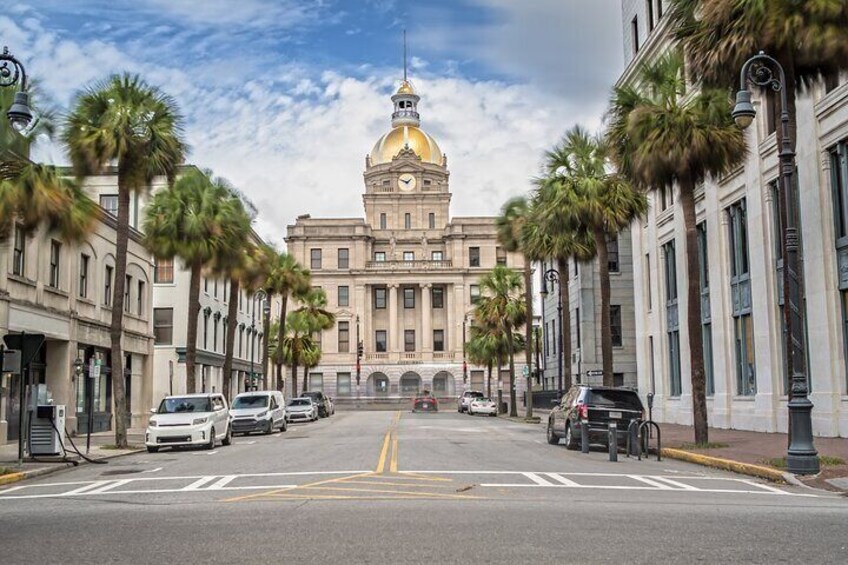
(285, 97)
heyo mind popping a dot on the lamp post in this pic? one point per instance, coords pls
(359, 351)
(12, 72)
(765, 71)
(464, 362)
(262, 295)
(552, 276)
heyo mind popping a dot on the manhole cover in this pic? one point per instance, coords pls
(120, 472)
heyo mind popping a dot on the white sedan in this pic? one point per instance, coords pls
(482, 406)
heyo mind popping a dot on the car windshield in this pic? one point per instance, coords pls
(178, 405)
(313, 395)
(474, 394)
(300, 402)
(481, 399)
(256, 401)
(615, 399)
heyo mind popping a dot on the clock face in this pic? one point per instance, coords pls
(406, 182)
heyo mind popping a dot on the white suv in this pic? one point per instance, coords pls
(466, 398)
(189, 419)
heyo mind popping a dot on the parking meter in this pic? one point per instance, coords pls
(650, 406)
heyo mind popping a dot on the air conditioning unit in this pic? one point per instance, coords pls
(44, 439)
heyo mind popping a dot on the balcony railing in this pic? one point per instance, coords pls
(418, 265)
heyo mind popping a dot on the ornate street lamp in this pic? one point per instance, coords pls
(11, 73)
(552, 276)
(261, 295)
(764, 71)
(464, 363)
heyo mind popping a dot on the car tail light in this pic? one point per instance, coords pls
(583, 411)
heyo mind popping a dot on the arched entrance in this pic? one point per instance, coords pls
(377, 385)
(444, 384)
(410, 384)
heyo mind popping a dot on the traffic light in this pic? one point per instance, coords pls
(359, 350)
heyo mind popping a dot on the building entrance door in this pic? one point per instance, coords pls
(94, 392)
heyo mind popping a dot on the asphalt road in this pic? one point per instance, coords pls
(391, 487)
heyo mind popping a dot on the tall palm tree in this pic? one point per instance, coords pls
(488, 345)
(604, 202)
(197, 219)
(297, 344)
(554, 233)
(512, 228)
(314, 309)
(663, 137)
(501, 305)
(287, 278)
(129, 123)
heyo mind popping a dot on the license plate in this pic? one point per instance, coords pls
(615, 415)
(425, 405)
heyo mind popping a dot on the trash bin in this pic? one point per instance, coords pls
(503, 408)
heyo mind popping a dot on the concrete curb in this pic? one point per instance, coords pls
(759, 471)
(58, 466)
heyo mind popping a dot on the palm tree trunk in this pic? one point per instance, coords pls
(116, 330)
(500, 388)
(281, 332)
(600, 237)
(266, 327)
(191, 331)
(294, 379)
(693, 316)
(528, 335)
(305, 378)
(513, 409)
(489, 385)
(232, 315)
(565, 322)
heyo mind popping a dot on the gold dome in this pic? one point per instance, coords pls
(393, 142)
(406, 88)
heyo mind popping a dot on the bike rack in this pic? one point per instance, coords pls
(644, 429)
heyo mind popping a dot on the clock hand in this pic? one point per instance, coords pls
(406, 181)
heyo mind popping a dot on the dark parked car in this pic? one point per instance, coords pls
(600, 406)
(321, 401)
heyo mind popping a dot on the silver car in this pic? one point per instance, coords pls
(301, 409)
(260, 411)
(466, 398)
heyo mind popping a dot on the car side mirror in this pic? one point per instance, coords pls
(153, 410)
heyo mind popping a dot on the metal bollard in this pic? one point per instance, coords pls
(633, 435)
(612, 439)
(584, 436)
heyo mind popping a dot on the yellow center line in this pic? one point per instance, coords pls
(391, 483)
(380, 491)
(308, 485)
(409, 475)
(393, 467)
(381, 462)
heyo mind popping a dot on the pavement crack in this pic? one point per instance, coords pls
(465, 488)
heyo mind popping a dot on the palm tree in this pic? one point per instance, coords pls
(138, 128)
(603, 202)
(298, 344)
(197, 219)
(33, 195)
(286, 278)
(661, 137)
(314, 309)
(482, 349)
(501, 305)
(555, 234)
(512, 227)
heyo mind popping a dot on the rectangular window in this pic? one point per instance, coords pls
(343, 384)
(436, 256)
(163, 325)
(707, 331)
(215, 334)
(431, 220)
(127, 293)
(407, 221)
(344, 337)
(845, 330)
(344, 296)
(206, 285)
(839, 182)
(408, 297)
(438, 340)
(55, 256)
(475, 293)
(615, 326)
(634, 34)
(740, 282)
(380, 256)
(316, 382)
(344, 258)
(670, 271)
(109, 202)
(659, 9)
(139, 299)
(164, 271)
(315, 259)
(438, 297)
(612, 252)
(409, 340)
(380, 298)
(19, 252)
(500, 256)
(409, 256)
(107, 286)
(746, 377)
(675, 385)
(739, 259)
(706, 325)
(383, 221)
(473, 256)
(380, 341)
(703, 257)
(649, 5)
(83, 275)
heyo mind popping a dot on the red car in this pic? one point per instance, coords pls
(425, 403)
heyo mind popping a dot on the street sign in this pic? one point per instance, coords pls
(595, 373)
(11, 361)
(526, 371)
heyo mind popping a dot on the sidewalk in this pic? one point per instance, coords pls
(101, 443)
(764, 450)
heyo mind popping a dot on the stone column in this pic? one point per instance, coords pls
(394, 344)
(426, 319)
(455, 312)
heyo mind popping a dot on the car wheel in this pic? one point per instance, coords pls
(152, 449)
(570, 440)
(270, 429)
(228, 439)
(211, 444)
(552, 437)
(285, 425)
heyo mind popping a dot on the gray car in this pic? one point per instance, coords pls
(260, 411)
(301, 409)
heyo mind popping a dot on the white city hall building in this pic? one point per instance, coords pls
(739, 234)
(404, 278)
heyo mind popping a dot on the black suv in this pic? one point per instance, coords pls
(600, 406)
(320, 400)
